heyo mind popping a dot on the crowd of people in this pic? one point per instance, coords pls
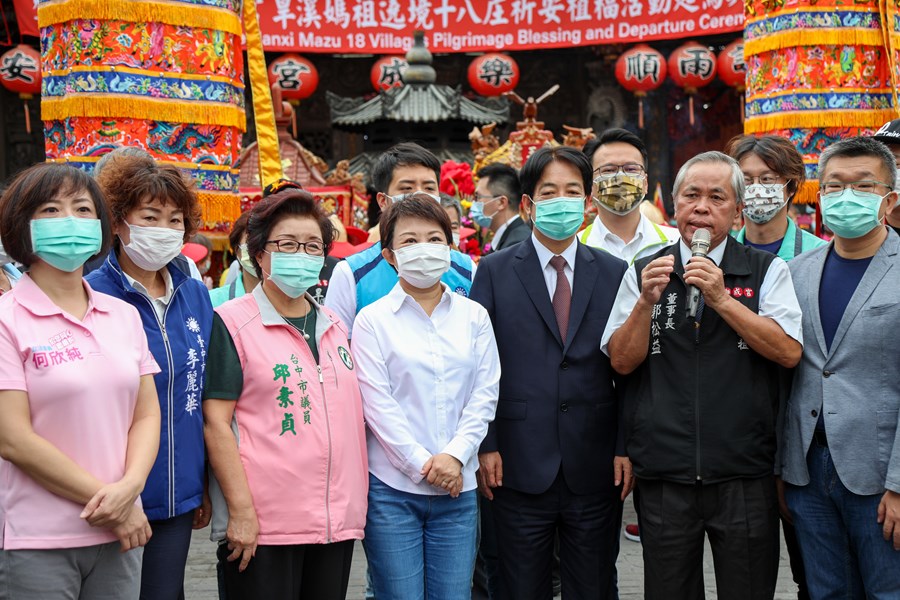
(475, 425)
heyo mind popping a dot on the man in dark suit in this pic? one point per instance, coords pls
(499, 193)
(552, 459)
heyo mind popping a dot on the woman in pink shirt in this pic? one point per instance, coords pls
(283, 419)
(79, 419)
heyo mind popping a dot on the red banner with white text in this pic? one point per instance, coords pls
(386, 26)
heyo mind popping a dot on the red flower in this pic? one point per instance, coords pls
(456, 179)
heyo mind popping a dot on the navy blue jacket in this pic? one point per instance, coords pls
(558, 407)
(175, 484)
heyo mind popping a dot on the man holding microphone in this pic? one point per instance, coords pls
(700, 348)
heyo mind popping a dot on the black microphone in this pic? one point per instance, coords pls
(699, 247)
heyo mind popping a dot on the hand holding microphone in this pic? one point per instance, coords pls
(699, 247)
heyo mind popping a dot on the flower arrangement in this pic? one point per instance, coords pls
(457, 180)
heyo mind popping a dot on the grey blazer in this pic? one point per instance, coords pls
(856, 383)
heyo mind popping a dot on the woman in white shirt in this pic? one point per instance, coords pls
(429, 374)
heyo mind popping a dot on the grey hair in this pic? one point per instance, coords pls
(448, 201)
(737, 176)
(120, 151)
(861, 146)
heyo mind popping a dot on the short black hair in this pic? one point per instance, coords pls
(503, 180)
(404, 154)
(272, 209)
(856, 147)
(417, 205)
(616, 134)
(534, 167)
(33, 187)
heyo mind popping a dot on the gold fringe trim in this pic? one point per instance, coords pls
(140, 11)
(818, 119)
(217, 208)
(813, 37)
(179, 111)
(808, 193)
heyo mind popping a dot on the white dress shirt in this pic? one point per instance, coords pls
(544, 257)
(498, 235)
(341, 296)
(159, 304)
(645, 242)
(777, 299)
(429, 385)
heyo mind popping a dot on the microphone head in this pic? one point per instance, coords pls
(700, 242)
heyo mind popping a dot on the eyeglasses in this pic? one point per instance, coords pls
(608, 170)
(858, 188)
(291, 247)
(480, 198)
(768, 180)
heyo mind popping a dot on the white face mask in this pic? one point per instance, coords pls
(246, 263)
(152, 248)
(456, 239)
(762, 202)
(422, 265)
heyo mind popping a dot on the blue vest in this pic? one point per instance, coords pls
(375, 277)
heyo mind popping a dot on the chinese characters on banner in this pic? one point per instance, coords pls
(386, 26)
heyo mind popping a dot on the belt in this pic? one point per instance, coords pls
(820, 437)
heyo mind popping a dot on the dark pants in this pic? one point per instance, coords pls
(797, 570)
(162, 573)
(526, 526)
(299, 572)
(487, 577)
(741, 519)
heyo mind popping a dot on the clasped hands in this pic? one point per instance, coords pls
(444, 472)
(114, 507)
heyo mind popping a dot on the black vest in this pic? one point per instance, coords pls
(703, 405)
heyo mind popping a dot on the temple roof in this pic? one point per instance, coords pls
(417, 103)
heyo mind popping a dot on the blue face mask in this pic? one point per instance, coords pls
(295, 273)
(476, 213)
(66, 243)
(851, 214)
(559, 218)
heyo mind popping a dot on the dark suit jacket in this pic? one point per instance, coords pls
(557, 405)
(517, 231)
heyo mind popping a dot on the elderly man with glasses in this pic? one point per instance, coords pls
(841, 447)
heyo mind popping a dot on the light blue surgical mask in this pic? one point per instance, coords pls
(476, 213)
(295, 273)
(559, 218)
(851, 214)
(66, 242)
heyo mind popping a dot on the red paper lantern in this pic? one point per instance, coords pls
(731, 66)
(692, 66)
(297, 76)
(387, 72)
(641, 69)
(493, 74)
(20, 72)
(732, 69)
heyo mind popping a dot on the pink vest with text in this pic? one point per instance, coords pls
(299, 426)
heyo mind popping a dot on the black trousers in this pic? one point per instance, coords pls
(741, 519)
(587, 527)
(299, 572)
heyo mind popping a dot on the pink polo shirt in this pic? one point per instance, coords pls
(82, 379)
